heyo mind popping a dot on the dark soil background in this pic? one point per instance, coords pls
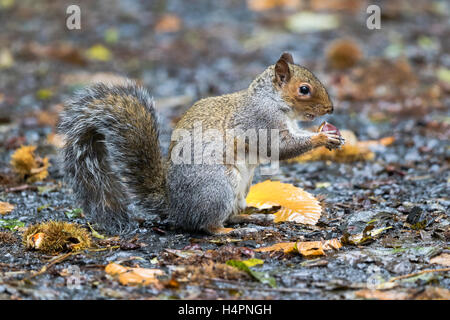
(185, 50)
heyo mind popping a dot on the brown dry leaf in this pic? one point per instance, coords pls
(434, 293)
(168, 23)
(134, 276)
(61, 51)
(343, 53)
(296, 204)
(286, 247)
(442, 259)
(305, 248)
(382, 294)
(28, 166)
(352, 150)
(5, 208)
(263, 5)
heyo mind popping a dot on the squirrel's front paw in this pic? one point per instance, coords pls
(330, 140)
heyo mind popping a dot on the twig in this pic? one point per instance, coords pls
(297, 290)
(103, 249)
(288, 290)
(418, 273)
(52, 262)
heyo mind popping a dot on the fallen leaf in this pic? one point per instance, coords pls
(296, 204)
(44, 94)
(28, 166)
(134, 276)
(443, 74)
(363, 237)
(442, 259)
(6, 59)
(286, 247)
(168, 23)
(352, 150)
(99, 52)
(111, 36)
(5, 208)
(434, 293)
(382, 294)
(262, 277)
(305, 21)
(60, 51)
(11, 224)
(305, 248)
(263, 5)
(343, 53)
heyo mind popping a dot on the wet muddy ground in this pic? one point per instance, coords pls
(400, 87)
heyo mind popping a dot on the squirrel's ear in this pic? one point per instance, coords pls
(288, 57)
(282, 72)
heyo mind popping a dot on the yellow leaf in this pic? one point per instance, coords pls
(99, 52)
(44, 94)
(296, 204)
(29, 166)
(5, 208)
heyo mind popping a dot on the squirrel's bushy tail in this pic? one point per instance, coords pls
(112, 156)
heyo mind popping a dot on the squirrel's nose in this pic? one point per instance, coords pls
(331, 109)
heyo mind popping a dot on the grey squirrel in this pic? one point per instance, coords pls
(113, 161)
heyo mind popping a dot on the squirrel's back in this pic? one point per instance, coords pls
(112, 157)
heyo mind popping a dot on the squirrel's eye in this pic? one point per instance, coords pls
(304, 90)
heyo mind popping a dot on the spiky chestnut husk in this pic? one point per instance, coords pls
(56, 236)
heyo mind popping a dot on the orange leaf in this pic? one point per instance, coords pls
(168, 23)
(115, 269)
(5, 208)
(134, 276)
(285, 246)
(140, 276)
(263, 5)
(307, 248)
(296, 204)
(317, 248)
(352, 150)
